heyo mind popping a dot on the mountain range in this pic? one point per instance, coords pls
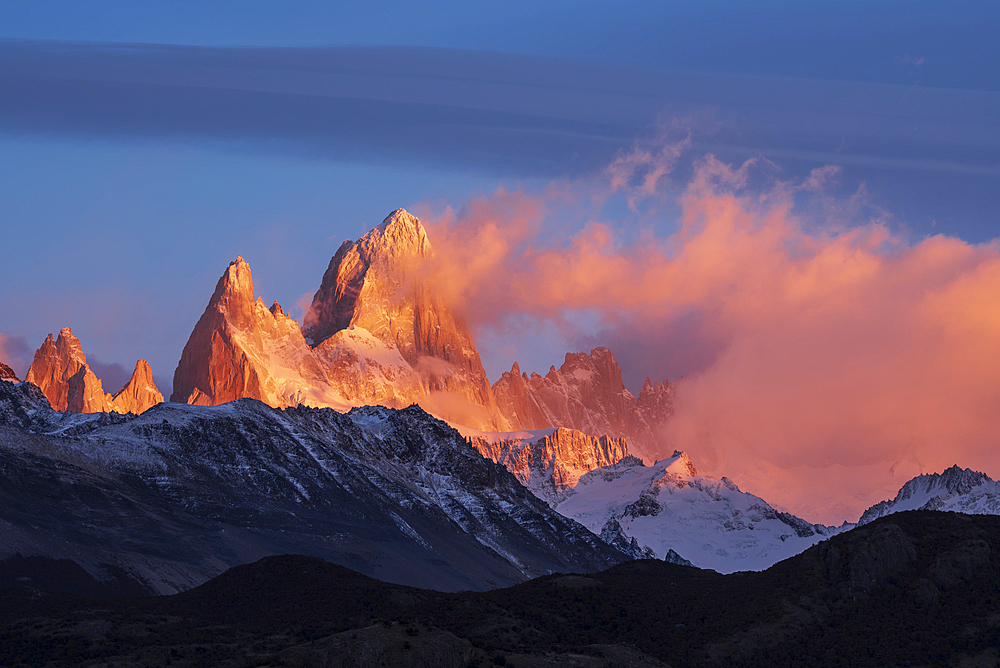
(376, 333)
(178, 494)
(369, 435)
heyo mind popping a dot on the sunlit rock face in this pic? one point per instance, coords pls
(213, 368)
(242, 349)
(60, 370)
(373, 335)
(551, 461)
(376, 284)
(140, 393)
(378, 333)
(586, 393)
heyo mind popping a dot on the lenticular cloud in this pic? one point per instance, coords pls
(834, 357)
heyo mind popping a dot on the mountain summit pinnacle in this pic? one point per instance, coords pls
(376, 333)
(61, 371)
(376, 283)
(348, 295)
(214, 367)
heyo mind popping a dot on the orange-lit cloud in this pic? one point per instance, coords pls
(15, 353)
(839, 358)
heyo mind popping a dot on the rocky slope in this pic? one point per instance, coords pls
(587, 394)
(60, 370)
(180, 493)
(687, 518)
(956, 489)
(549, 462)
(6, 373)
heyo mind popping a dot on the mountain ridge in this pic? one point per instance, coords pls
(176, 495)
(954, 489)
(918, 588)
(376, 332)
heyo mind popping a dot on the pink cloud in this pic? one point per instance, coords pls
(838, 357)
(16, 353)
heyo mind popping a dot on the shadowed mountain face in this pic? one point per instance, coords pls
(915, 589)
(180, 493)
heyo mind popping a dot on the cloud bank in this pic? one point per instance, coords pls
(828, 358)
(499, 112)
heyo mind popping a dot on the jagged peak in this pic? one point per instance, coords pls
(234, 294)
(683, 461)
(237, 276)
(142, 369)
(595, 354)
(954, 479)
(402, 219)
(68, 344)
(66, 347)
(6, 373)
(400, 234)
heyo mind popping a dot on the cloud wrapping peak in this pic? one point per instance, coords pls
(837, 357)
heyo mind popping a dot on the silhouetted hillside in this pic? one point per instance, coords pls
(913, 589)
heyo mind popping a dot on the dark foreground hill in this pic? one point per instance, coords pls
(914, 589)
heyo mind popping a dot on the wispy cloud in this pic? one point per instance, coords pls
(531, 115)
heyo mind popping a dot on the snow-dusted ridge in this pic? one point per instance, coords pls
(676, 513)
(180, 493)
(955, 489)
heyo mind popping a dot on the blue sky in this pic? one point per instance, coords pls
(144, 145)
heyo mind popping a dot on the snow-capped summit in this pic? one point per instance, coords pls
(685, 517)
(956, 489)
